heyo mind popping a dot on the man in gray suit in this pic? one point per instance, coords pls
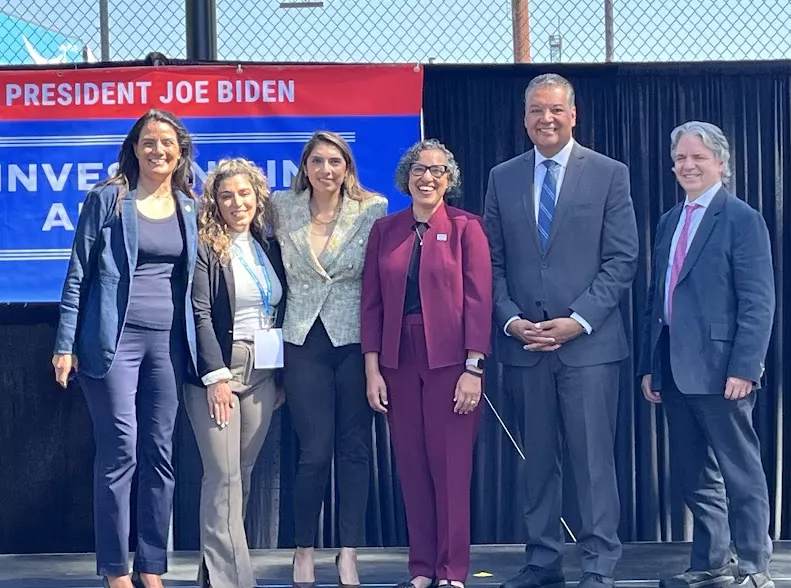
(708, 320)
(563, 238)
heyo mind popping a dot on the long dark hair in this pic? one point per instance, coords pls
(128, 171)
(351, 185)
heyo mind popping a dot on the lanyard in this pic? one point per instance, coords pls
(265, 293)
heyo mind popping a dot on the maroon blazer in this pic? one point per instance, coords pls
(455, 286)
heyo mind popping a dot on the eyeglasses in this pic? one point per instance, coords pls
(418, 169)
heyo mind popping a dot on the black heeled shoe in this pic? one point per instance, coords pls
(340, 583)
(299, 584)
(137, 582)
(410, 584)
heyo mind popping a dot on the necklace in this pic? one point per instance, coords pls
(315, 218)
(419, 236)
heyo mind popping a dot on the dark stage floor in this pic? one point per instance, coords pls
(641, 567)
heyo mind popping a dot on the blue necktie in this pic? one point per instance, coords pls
(546, 203)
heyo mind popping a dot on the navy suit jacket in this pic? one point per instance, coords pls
(588, 267)
(724, 301)
(102, 265)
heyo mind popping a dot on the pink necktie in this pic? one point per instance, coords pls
(679, 256)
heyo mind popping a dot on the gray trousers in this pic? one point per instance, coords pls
(228, 457)
(576, 406)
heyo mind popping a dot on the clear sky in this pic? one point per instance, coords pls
(451, 31)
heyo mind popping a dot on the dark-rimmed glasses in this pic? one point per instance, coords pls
(418, 169)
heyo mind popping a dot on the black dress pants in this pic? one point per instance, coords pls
(325, 391)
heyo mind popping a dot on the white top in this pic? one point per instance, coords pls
(248, 303)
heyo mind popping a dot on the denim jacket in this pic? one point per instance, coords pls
(103, 261)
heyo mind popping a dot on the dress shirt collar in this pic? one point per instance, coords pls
(562, 157)
(705, 199)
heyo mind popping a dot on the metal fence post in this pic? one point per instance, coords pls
(201, 29)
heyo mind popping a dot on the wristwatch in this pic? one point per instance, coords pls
(476, 363)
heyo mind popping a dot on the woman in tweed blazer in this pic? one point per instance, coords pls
(323, 226)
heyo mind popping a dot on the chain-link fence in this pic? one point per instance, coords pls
(388, 31)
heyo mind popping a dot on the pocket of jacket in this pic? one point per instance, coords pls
(721, 332)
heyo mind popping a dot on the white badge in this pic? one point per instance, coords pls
(442, 237)
(268, 349)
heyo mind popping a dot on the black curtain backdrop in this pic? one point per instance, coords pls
(624, 111)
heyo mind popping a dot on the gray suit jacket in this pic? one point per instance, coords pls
(724, 302)
(590, 262)
(328, 286)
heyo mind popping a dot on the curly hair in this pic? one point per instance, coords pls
(413, 154)
(351, 184)
(212, 228)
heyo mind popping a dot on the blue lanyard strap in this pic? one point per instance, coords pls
(266, 293)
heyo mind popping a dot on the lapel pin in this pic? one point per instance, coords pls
(188, 208)
(442, 237)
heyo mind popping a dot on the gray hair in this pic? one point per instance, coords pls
(413, 154)
(551, 79)
(712, 137)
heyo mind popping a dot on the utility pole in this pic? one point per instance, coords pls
(201, 29)
(608, 31)
(104, 30)
(521, 28)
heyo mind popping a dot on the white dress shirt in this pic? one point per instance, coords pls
(539, 173)
(704, 200)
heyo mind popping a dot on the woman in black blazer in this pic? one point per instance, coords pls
(239, 290)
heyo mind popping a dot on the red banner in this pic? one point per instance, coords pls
(213, 90)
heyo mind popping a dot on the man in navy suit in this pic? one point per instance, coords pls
(564, 248)
(708, 320)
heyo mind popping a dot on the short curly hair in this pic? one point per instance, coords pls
(413, 154)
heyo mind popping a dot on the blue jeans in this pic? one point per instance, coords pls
(133, 408)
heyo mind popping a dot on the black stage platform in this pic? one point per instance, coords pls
(641, 567)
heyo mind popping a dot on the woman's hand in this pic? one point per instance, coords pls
(376, 390)
(221, 402)
(63, 364)
(468, 393)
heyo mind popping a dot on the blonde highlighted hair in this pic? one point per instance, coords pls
(351, 183)
(212, 229)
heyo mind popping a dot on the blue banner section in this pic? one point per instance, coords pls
(46, 167)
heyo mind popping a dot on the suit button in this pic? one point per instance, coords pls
(288, 265)
(538, 303)
(544, 265)
(361, 241)
(660, 321)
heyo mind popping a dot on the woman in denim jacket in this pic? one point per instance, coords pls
(126, 322)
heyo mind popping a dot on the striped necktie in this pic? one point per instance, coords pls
(546, 203)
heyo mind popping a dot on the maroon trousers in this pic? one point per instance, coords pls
(433, 449)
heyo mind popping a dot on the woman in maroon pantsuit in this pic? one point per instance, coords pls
(426, 326)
